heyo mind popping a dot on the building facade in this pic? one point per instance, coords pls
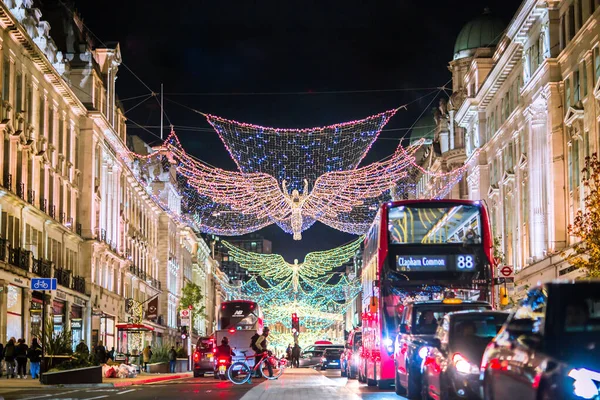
(74, 205)
(529, 112)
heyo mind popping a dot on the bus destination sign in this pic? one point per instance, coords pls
(422, 263)
(431, 263)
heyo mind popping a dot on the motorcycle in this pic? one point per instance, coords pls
(222, 364)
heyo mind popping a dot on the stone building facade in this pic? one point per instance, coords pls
(73, 203)
(529, 104)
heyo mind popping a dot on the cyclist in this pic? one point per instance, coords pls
(261, 345)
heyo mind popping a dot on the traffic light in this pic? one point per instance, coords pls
(295, 323)
(503, 297)
(184, 333)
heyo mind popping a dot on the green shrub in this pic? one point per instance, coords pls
(160, 354)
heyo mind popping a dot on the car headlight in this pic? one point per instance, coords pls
(584, 384)
(463, 365)
(423, 352)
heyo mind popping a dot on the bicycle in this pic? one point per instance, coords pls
(240, 372)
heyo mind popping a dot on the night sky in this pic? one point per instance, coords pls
(210, 55)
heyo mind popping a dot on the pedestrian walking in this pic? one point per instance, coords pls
(296, 356)
(111, 354)
(172, 359)
(35, 358)
(288, 352)
(9, 358)
(21, 357)
(146, 355)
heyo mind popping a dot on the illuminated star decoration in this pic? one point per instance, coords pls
(274, 267)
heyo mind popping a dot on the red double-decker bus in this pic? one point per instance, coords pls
(419, 249)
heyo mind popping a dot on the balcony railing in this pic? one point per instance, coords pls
(63, 277)
(4, 244)
(42, 268)
(62, 217)
(43, 205)
(7, 182)
(78, 229)
(103, 235)
(31, 196)
(21, 190)
(137, 271)
(52, 211)
(78, 284)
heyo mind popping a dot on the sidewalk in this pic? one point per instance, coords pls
(142, 378)
(300, 384)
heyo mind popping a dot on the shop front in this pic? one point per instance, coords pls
(35, 313)
(76, 317)
(14, 315)
(58, 317)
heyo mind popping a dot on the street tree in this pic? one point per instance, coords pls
(192, 298)
(586, 226)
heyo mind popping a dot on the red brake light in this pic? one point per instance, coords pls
(232, 330)
(222, 361)
(196, 356)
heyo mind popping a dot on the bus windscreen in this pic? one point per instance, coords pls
(436, 225)
(238, 315)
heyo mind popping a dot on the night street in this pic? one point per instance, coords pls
(301, 384)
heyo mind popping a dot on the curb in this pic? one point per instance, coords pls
(107, 385)
(149, 380)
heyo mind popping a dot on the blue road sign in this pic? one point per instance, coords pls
(43, 283)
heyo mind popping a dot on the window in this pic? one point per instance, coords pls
(585, 78)
(19, 94)
(567, 94)
(51, 126)
(42, 122)
(61, 135)
(563, 39)
(570, 162)
(571, 15)
(576, 168)
(29, 105)
(579, 5)
(597, 63)
(576, 88)
(6, 80)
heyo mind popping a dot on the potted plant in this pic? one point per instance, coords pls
(64, 366)
(159, 362)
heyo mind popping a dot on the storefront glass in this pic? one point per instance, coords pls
(107, 331)
(35, 311)
(14, 318)
(76, 324)
(58, 317)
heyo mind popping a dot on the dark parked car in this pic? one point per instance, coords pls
(203, 357)
(549, 348)
(331, 358)
(451, 370)
(418, 324)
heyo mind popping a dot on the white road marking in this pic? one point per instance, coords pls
(70, 391)
(101, 390)
(99, 397)
(127, 391)
(36, 397)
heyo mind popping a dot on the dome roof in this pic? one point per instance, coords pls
(424, 128)
(485, 30)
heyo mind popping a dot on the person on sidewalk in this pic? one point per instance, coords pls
(35, 357)
(1, 358)
(111, 354)
(82, 348)
(146, 356)
(296, 356)
(100, 353)
(288, 353)
(21, 356)
(172, 359)
(9, 358)
(261, 345)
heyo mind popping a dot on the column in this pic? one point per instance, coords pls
(3, 310)
(537, 167)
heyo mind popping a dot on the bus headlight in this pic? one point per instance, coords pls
(389, 345)
(584, 384)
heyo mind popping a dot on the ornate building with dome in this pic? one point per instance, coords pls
(523, 116)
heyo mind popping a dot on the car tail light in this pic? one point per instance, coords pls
(196, 357)
(222, 361)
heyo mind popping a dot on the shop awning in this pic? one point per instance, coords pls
(134, 327)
